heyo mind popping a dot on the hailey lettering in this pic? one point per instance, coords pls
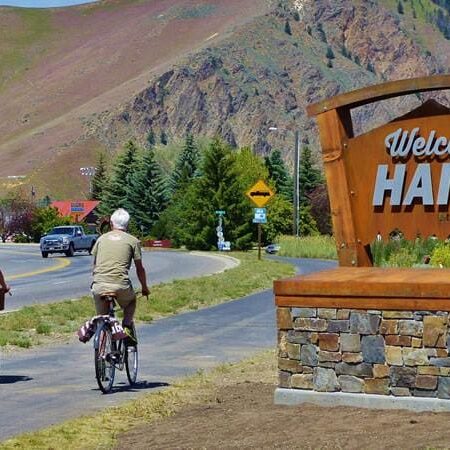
(403, 144)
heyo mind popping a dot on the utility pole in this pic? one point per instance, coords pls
(297, 185)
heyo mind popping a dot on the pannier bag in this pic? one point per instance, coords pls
(87, 330)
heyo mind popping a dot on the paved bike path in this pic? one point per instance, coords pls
(48, 385)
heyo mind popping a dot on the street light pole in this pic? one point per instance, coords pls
(297, 185)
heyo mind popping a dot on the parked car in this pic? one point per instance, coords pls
(68, 240)
(272, 249)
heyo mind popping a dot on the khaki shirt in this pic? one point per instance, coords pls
(113, 253)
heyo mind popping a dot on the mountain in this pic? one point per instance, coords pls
(96, 76)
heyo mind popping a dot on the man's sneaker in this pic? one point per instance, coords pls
(131, 339)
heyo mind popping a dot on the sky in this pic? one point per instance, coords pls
(43, 3)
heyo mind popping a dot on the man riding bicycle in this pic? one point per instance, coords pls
(113, 253)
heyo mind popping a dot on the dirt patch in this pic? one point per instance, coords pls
(240, 413)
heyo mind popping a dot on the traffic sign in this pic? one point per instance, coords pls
(260, 215)
(220, 212)
(260, 193)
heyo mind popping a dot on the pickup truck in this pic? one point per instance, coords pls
(66, 239)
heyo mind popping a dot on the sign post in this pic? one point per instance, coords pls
(219, 230)
(260, 194)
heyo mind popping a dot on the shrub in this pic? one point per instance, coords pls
(404, 257)
(440, 256)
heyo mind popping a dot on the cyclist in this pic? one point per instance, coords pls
(3, 286)
(113, 253)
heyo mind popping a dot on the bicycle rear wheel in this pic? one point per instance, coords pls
(104, 366)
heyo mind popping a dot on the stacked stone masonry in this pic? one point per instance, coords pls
(399, 353)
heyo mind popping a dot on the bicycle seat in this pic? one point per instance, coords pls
(108, 296)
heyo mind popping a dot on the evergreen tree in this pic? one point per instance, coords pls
(116, 190)
(330, 53)
(287, 28)
(280, 215)
(151, 140)
(321, 33)
(279, 174)
(147, 192)
(250, 167)
(99, 178)
(400, 8)
(309, 176)
(186, 165)
(296, 16)
(218, 188)
(163, 138)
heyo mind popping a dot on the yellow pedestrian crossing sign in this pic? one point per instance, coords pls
(260, 193)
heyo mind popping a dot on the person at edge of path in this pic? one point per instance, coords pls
(113, 253)
(4, 288)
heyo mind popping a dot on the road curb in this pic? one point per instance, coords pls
(231, 262)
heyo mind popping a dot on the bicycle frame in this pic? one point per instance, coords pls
(117, 353)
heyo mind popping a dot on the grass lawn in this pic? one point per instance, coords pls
(39, 324)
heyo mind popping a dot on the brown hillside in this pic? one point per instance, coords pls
(102, 74)
(93, 58)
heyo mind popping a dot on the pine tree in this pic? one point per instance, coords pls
(330, 53)
(151, 140)
(218, 188)
(147, 192)
(400, 8)
(99, 179)
(309, 176)
(163, 138)
(321, 33)
(186, 165)
(287, 28)
(280, 175)
(116, 190)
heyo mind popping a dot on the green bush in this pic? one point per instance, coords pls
(404, 257)
(440, 256)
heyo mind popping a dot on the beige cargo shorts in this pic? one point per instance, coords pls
(125, 297)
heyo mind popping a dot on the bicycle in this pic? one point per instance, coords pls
(110, 353)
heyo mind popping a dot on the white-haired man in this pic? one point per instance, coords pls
(113, 253)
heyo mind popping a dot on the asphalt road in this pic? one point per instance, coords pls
(45, 386)
(37, 280)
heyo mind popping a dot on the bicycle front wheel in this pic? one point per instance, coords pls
(104, 364)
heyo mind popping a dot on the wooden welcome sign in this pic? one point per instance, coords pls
(396, 177)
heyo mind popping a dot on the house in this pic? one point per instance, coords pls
(79, 210)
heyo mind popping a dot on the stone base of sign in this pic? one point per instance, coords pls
(353, 336)
(293, 397)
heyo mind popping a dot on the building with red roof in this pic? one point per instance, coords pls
(79, 210)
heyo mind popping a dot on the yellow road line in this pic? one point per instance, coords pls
(61, 263)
